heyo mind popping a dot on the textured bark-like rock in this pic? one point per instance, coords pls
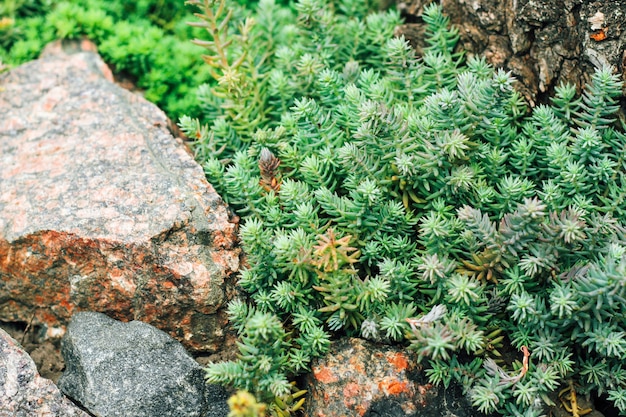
(23, 393)
(358, 378)
(542, 42)
(102, 209)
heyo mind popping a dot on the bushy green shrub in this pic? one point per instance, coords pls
(147, 41)
(414, 200)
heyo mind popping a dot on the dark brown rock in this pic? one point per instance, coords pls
(102, 209)
(542, 42)
(23, 392)
(359, 378)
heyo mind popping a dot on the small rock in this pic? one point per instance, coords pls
(359, 378)
(116, 369)
(102, 209)
(23, 392)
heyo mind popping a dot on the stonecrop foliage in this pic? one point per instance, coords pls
(413, 200)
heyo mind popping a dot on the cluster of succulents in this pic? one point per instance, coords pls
(413, 200)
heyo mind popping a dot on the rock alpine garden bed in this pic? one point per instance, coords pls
(414, 234)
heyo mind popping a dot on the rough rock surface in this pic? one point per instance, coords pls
(543, 42)
(358, 378)
(116, 369)
(102, 209)
(46, 354)
(216, 398)
(23, 392)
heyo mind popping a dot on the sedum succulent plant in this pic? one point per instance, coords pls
(413, 200)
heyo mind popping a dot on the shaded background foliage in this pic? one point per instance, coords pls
(145, 41)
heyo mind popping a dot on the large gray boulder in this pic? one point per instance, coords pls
(117, 369)
(23, 392)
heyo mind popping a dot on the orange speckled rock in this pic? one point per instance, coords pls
(361, 379)
(101, 209)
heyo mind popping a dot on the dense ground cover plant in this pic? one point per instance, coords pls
(414, 200)
(146, 41)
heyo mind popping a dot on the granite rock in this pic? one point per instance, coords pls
(102, 209)
(23, 392)
(216, 398)
(117, 369)
(360, 378)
